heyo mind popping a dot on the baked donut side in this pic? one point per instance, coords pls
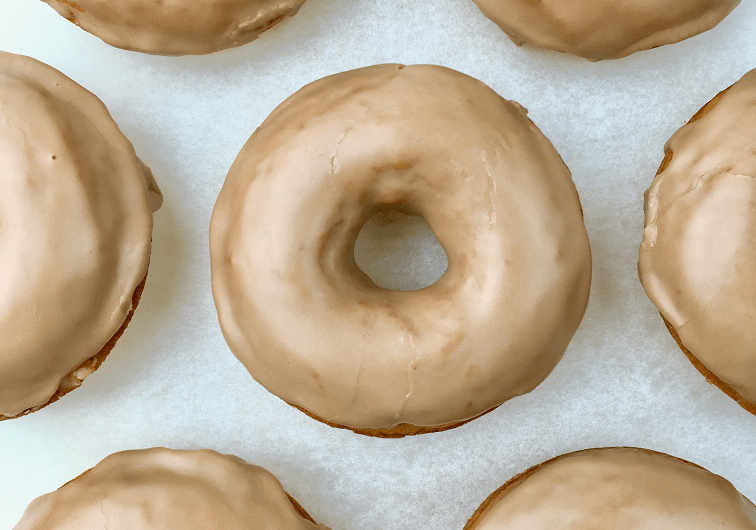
(76, 377)
(695, 261)
(172, 490)
(314, 330)
(176, 27)
(604, 29)
(76, 211)
(622, 488)
(397, 431)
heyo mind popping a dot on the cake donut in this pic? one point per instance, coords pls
(604, 29)
(621, 488)
(75, 233)
(176, 27)
(313, 329)
(696, 261)
(166, 489)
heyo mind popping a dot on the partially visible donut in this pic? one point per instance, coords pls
(166, 489)
(604, 29)
(696, 261)
(313, 329)
(176, 27)
(75, 233)
(618, 488)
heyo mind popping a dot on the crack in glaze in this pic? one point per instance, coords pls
(104, 516)
(334, 158)
(357, 379)
(491, 191)
(651, 230)
(410, 369)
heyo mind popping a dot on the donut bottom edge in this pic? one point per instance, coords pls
(71, 381)
(398, 431)
(512, 483)
(708, 374)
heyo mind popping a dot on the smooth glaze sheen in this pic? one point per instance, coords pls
(698, 252)
(604, 29)
(316, 331)
(176, 27)
(75, 229)
(618, 489)
(163, 489)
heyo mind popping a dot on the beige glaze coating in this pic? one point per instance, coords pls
(163, 489)
(604, 29)
(618, 488)
(176, 27)
(316, 331)
(697, 257)
(75, 229)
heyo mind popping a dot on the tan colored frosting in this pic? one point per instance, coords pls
(698, 252)
(316, 331)
(619, 488)
(75, 229)
(176, 27)
(163, 489)
(604, 29)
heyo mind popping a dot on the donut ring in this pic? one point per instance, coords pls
(604, 29)
(317, 332)
(172, 490)
(176, 27)
(616, 487)
(76, 215)
(695, 261)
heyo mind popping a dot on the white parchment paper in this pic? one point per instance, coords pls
(172, 381)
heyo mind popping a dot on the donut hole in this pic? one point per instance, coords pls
(399, 252)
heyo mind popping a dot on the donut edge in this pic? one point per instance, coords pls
(701, 367)
(297, 507)
(398, 431)
(71, 382)
(72, 12)
(649, 42)
(711, 378)
(518, 479)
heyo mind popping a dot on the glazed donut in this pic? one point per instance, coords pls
(76, 215)
(621, 488)
(313, 329)
(604, 29)
(696, 261)
(164, 489)
(176, 27)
